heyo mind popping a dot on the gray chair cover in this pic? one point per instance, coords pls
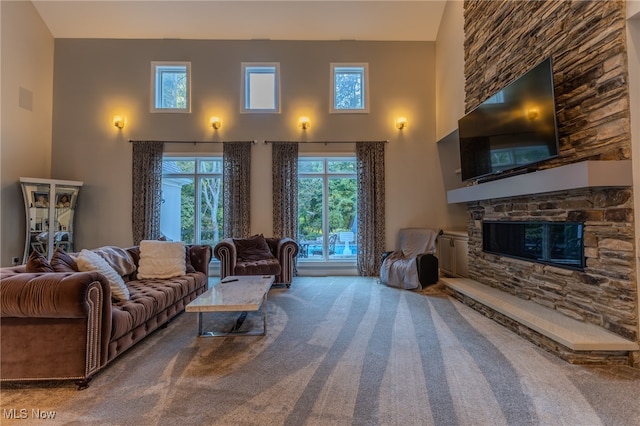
(399, 268)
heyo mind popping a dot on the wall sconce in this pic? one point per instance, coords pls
(401, 122)
(304, 123)
(216, 123)
(533, 113)
(118, 121)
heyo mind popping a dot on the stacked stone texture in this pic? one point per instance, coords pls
(605, 293)
(504, 39)
(574, 357)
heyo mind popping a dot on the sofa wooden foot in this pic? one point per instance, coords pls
(83, 383)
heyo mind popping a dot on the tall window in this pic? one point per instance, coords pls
(170, 87)
(260, 87)
(191, 199)
(327, 194)
(349, 87)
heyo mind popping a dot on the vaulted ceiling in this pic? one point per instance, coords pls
(391, 20)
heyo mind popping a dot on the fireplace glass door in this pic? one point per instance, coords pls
(555, 243)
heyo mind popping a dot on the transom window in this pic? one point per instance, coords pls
(192, 199)
(170, 86)
(327, 210)
(349, 87)
(260, 87)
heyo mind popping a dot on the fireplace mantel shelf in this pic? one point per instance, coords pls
(586, 174)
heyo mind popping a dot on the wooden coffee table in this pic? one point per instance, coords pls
(235, 293)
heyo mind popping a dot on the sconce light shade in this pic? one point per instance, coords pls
(533, 113)
(304, 123)
(118, 121)
(216, 123)
(401, 122)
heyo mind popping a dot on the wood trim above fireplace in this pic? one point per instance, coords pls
(585, 174)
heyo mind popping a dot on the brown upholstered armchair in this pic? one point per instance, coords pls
(257, 255)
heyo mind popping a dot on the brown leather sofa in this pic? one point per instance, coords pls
(257, 255)
(64, 325)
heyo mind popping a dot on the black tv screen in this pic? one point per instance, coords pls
(513, 129)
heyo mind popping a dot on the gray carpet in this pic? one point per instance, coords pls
(340, 351)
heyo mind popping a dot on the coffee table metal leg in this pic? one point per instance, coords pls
(234, 332)
(264, 315)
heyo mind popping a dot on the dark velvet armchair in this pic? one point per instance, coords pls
(257, 255)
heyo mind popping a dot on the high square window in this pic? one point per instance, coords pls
(170, 86)
(349, 88)
(260, 87)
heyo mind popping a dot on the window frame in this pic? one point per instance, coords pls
(245, 89)
(326, 176)
(154, 86)
(196, 175)
(365, 89)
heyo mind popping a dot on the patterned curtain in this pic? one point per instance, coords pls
(147, 190)
(284, 158)
(371, 211)
(236, 183)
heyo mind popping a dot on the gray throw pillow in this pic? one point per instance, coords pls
(118, 258)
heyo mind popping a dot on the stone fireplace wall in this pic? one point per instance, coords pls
(604, 293)
(504, 39)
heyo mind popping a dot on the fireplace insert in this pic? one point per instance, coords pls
(554, 243)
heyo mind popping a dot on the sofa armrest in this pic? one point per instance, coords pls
(287, 251)
(54, 325)
(9, 270)
(54, 295)
(287, 248)
(428, 272)
(225, 252)
(200, 256)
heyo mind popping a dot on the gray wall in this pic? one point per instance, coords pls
(27, 99)
(450, 103)
(450, 69)
(95, 79)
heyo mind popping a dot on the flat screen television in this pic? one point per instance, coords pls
(513, 129)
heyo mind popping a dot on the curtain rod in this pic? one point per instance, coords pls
(325, 142)
(193, 142)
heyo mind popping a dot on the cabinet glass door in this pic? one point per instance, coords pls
(50, 208)
(66, 197)
(38, 198)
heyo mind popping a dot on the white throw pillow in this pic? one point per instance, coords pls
(161, 259)
(88, 261)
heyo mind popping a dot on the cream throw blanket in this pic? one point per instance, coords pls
(399, 268)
